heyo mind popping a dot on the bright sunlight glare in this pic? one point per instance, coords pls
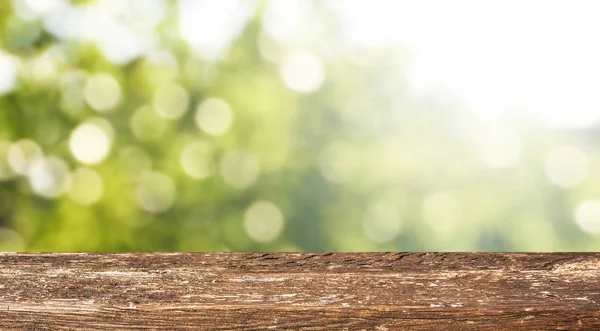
(533, 59)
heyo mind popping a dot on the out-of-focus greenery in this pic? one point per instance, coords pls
(113, 142)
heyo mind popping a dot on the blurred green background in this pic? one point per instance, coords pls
(285, 125)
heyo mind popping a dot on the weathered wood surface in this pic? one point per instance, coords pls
(307, 291)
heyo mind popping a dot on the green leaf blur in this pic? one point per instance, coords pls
(140, 135)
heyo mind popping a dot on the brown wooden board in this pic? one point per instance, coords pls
(303, 291)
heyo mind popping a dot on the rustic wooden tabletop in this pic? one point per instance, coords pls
(304, 291)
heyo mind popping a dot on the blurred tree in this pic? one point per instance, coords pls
(128, 126)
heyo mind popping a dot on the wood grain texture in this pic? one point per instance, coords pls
(305, 291)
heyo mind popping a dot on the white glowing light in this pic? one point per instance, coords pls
(214, 116)
(9, 69)
(86, 187)
(382, 222)
(210, 26)
(373, 23)
(121, 44)
(554, 79)
(302, 72)
(294, 22)
(22, 154)
(240, 169)
(102, 92)
(156, 192)
(122, 30)
(587, 216)
(283, 19)
(151, 12)
(263, 221)
(43, 7)
(566, 166)
(500, 147)
(90, 142)
(50, 177)
(171, 101)
(197, 160)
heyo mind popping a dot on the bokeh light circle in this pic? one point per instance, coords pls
(263, 221)
(302, 72)
(9, 69)
(6, 170)
(156, 192)
(102, 92)
(197, 160)
(587, 216)
(50, 177)
(171, 101)
(239, 168)
(90, 142)
(22, 154)
(10, 241)
(214, 116)
(86, 186)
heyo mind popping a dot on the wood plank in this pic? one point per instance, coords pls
(304, 291)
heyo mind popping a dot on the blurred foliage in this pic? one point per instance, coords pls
(357, 162)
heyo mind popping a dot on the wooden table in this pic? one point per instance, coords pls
(305, 291)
